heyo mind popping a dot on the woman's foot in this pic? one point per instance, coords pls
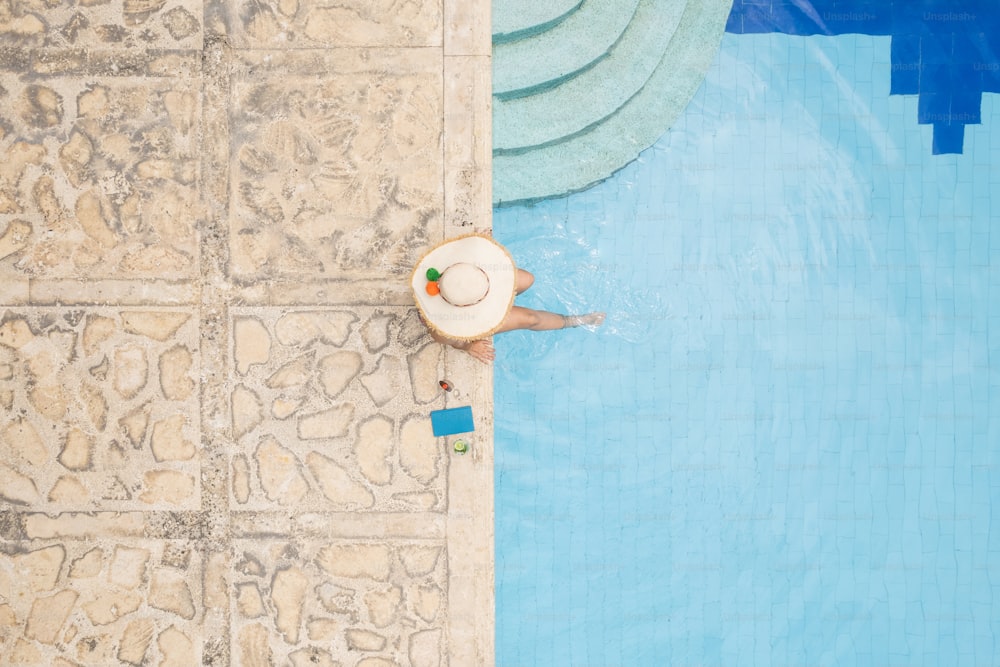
(589, 321)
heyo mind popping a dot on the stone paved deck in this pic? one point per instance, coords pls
(214, 392)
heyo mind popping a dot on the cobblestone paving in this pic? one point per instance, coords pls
(215, 444)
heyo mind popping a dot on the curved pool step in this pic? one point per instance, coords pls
(590, 157)
(577, 43)
(517, 19)
(580, 103)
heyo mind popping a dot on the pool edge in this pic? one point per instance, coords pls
(468, 196)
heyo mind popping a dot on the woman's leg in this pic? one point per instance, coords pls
(523, 281)
(542, 320)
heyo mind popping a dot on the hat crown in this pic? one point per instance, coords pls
(474, 291)
(464, 284)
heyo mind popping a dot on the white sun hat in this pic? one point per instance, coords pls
(476, 287)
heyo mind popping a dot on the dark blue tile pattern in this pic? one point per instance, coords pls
(945, 51)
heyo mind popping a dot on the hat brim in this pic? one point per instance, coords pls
(473, 322)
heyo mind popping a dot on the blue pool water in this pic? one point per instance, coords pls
(784, 446)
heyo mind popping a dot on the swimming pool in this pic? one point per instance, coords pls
(784, 446)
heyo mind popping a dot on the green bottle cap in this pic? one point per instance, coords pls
(433, 274)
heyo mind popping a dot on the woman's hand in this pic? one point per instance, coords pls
(482, 350)
(479, 349)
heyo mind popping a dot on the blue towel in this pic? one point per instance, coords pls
(452, 420)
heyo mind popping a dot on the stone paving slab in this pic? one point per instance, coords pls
(100, 176)
(105, 24)
(313, 411)
(336, 162)
(125, 601)
(214, 390)
(327, 602)
(302, 24)
(108, 394)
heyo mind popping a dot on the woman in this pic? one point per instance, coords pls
(465, 289)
